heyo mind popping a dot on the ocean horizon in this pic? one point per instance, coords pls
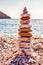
(9, 27)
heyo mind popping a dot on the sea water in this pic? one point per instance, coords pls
(9, 27)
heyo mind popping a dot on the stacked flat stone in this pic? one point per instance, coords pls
(24, 30)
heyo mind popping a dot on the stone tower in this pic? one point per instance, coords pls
(26, 55)
(24, 31)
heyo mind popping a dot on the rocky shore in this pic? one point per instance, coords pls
(26, 50)
(9, 48)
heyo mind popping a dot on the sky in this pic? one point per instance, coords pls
(14, 8)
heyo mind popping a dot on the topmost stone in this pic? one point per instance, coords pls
(25, 10)
(25, 13)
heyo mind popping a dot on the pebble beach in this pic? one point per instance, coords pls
(9, 48)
